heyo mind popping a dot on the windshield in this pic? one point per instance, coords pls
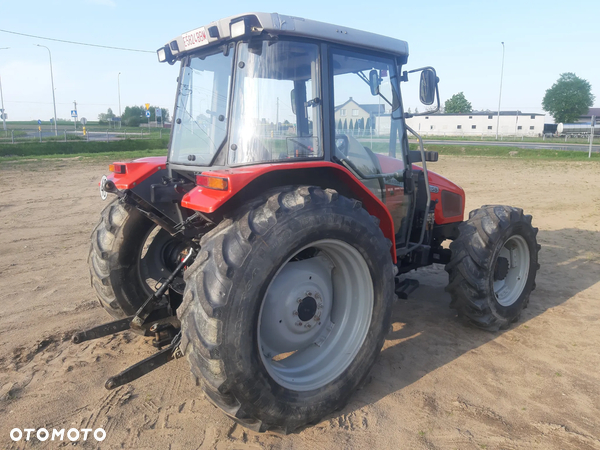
(276, 103)
(200, 126)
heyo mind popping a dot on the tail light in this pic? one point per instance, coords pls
(118, 168)
(220, 184)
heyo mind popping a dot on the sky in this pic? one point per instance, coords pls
(461, 39)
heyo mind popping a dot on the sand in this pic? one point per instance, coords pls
(437, 384)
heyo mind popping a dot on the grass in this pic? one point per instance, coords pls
(100, 156)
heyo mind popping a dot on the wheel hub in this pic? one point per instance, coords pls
(315, 315)
(297, 304)
(501, 269)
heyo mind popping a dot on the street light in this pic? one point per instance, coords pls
(52, 80)
(119, 87)
(2, 100)
(500, 96)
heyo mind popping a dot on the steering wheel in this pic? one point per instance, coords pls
(341, 144)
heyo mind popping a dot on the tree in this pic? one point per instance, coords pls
(568, 98)
(458, 104)
(133, 116)
(105, 117)
(345, 124)
(340, 124)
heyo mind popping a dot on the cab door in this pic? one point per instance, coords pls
(366, 122)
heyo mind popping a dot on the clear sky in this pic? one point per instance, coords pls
(461, 39)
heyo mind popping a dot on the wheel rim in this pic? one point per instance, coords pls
(510, 280)
(158, 257)
(315, 315)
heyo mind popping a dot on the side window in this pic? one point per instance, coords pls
(363, 137)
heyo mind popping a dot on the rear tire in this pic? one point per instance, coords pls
(230, 327)
(118, 272)
(493, 266)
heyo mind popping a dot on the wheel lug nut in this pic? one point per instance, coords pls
(308, 294)
(316, 318)
(299, 323)
(295, 313)
(308, 325)
(318, 296)
(299, 300)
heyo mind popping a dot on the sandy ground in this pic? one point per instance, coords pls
(438, 384)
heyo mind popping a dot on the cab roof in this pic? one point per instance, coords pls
(277, 24)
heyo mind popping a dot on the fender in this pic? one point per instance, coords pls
(137, 171)
(450, 197)
(208, 200)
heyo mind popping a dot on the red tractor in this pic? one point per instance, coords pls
(268, 246)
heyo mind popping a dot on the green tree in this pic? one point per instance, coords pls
(345, 124)
(103, 118)
(458, 104)
(568, 98)
(133, 116)
(340, 124)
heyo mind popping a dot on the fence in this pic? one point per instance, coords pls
(28, 134)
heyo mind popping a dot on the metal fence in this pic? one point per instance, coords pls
(29, 134)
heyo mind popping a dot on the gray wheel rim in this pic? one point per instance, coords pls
(315, 316)
(509, 289)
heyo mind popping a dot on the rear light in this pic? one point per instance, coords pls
(118, 168)
(220, 184)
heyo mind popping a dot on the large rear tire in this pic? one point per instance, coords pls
(493, 266)
(286, 307)
(128, 255)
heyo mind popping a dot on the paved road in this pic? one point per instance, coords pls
(518, 144)
(526, 145)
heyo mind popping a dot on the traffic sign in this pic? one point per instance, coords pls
(147, 105)
(148, 114)
(158, 112)
(73, 113)
(83, 120)
(39, 122)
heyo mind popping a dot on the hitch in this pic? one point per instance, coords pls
(145, 366)
(148, 319)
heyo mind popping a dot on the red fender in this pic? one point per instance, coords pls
(210, 200)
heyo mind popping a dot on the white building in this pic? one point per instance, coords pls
(512, 123)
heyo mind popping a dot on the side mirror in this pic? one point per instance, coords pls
(293, 100)
(428, 85)
(374, 82)
(415, 156)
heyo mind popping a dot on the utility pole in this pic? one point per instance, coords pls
(592, 135)
(500, 96)
(119, 88)
(52, 80)
(277, 118)
(75, 108)
(3, 112)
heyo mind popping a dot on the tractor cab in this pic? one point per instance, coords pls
(262, 89)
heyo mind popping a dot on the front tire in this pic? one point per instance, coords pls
(262, 295)
(493, 266)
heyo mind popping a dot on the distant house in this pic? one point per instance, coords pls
(480, 123)
(587, 118)
(352, 112)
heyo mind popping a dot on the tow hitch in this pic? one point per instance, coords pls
(149, 319)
